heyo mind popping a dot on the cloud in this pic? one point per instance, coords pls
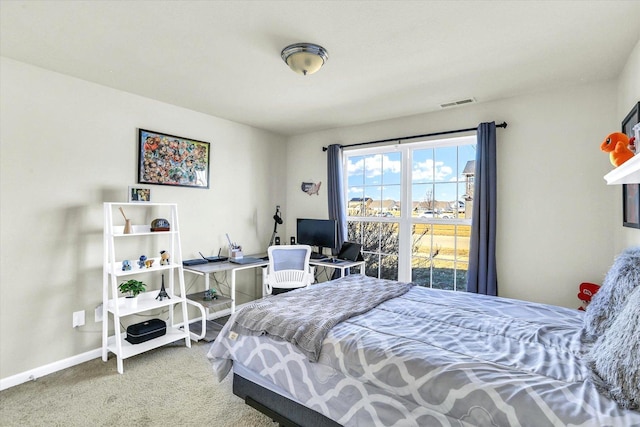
(428, 170)
(375, 165)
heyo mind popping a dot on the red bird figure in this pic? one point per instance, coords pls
(616, 144)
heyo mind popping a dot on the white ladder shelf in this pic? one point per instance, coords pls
(118, 247)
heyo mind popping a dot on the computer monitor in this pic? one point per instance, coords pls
(322, 233)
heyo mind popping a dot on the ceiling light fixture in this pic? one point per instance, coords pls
(304, 58)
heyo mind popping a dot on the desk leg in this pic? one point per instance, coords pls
(233, 290)
(207, 286)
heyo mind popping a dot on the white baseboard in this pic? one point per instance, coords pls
(40, 372)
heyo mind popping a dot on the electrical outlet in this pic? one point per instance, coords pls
(78, 318)
(98, 313)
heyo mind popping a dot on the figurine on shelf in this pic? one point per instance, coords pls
(126, 265)
(141, 261)
(148, 263)
(164, 258)
(619, 146)
(127, 223)
(210, 294)
(160, 224)
(163, 292)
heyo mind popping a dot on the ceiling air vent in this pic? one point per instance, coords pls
(456, 103)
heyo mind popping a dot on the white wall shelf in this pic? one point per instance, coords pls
(627, 173)
(115, 307)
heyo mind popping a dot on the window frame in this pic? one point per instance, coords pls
(405, 220)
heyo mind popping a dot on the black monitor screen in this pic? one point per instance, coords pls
(318, 232)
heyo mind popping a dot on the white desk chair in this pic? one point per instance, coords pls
(288, 268)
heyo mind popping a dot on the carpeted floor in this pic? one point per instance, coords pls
(169, 386)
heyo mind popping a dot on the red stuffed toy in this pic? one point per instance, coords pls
(587, 291)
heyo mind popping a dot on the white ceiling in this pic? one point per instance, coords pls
(386, 58)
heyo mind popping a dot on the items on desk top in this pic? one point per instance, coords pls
(204, 260)
(245, 260)
(197, 261)
(235, 254)
(235, 250)
(350, 252)
(217, 258)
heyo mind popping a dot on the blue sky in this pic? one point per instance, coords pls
(435, 173)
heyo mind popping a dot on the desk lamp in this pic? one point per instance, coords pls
(277, 220)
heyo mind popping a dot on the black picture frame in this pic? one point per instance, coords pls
(631, 205)
(165, 159)
(631, 192)
(631, 120)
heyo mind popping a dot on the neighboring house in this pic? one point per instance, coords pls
(381, 206)
(358, 206)
(437, 205)
(469, 173)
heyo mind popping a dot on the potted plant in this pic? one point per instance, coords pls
(133, 288)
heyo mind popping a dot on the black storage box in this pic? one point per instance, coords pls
(145, 331)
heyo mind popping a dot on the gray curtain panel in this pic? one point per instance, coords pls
(482, 276)
(335, 187)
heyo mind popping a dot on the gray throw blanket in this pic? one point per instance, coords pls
(304, 317)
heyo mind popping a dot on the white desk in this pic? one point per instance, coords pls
(211, 268)
(342, 265)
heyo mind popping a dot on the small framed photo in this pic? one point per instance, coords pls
(139, 194)
(165, 159)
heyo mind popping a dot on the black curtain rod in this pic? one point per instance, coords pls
(446, 132)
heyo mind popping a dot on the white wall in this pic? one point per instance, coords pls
(628, 96)
(67, 146)
(555, 213)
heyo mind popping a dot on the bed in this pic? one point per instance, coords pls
(416, 357)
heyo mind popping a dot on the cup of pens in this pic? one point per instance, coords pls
(235, 250)
(236, 253)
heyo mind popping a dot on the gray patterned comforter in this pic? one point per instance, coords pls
(432, 358)
(305, 318)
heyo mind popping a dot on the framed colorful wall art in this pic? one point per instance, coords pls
(165, 159)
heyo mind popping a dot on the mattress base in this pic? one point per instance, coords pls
(275, 406)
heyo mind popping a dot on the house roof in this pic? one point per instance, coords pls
(469, 168)
(386, 59)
